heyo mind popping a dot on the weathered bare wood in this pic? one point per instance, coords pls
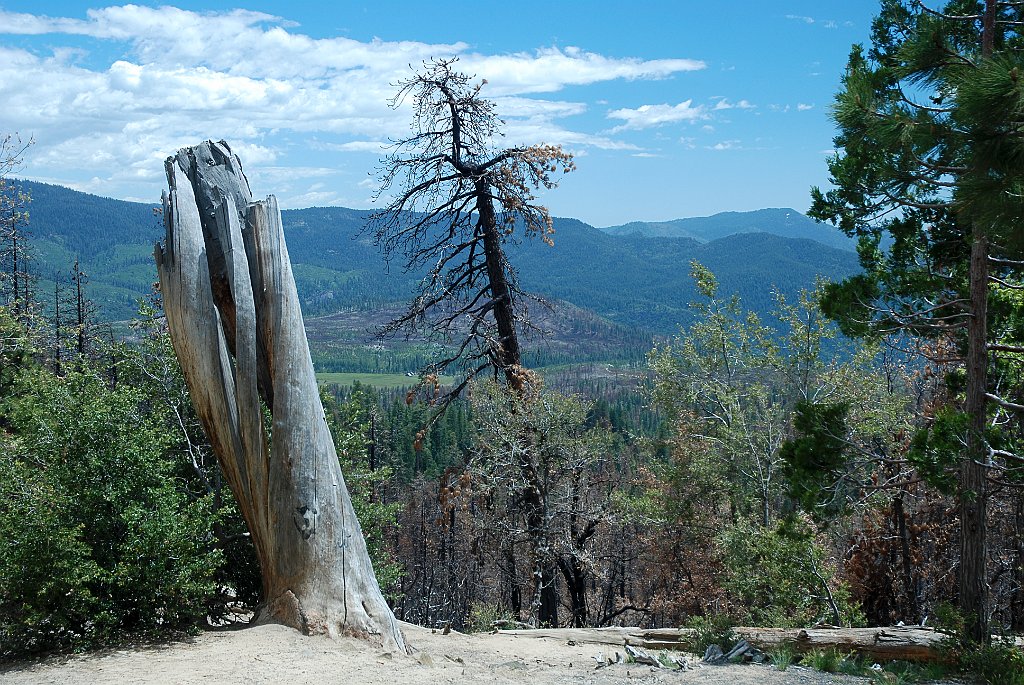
(910, 643)
(884, 644)
(660, 638)
(235, 322)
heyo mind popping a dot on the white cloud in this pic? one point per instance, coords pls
(375, 146)
(534, 131)
(533, 107)
(726, 145)
(724, 103)
(824, 23)
(268, 89)
(802, 107)
(551, 69)
(647, 116)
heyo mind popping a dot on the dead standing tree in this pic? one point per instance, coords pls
(456, 200)
(234, 319)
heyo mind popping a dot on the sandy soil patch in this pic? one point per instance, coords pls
(275, 654)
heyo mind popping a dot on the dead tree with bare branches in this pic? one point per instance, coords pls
(455, 200)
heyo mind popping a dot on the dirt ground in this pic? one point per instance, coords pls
(275, 654)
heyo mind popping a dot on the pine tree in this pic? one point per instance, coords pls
(929, 155)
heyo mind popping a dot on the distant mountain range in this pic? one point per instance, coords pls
(786, 223)
(634, 276)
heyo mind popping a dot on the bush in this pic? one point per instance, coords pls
(1000, 663)
(99, 540)
(825, 660)
(483, 617)
(783, 656)
(780, 577)
(711, 630)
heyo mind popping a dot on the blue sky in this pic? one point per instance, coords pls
(673, 108)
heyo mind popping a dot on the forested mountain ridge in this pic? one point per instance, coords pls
(631, 280)
(784, 222)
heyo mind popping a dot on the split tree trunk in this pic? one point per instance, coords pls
(234, 319)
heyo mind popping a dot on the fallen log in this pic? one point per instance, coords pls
(910, 643)
(656, 638)
(896, 643)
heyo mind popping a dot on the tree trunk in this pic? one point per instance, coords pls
(973, 580)
(547, 615)
(910, 584)
(1017, 594)
(576, 584)
(973, 585)
(234, 319)
(507, 356)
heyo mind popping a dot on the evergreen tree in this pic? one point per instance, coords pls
(929, 151)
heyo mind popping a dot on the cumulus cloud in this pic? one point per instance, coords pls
(266, 87)
(647, 116)
(724, 103)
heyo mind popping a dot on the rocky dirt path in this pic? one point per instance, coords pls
(275, 654)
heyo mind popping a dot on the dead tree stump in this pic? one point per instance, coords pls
(237, 330)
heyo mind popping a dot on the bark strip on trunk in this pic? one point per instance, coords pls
(235, 323)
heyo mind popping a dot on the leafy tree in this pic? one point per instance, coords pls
(456, 200)
(753, 406)
(929, 152)
(728, 372)
(548, 482)
(781, 576)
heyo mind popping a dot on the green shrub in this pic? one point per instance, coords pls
(483, 617)
(710, 630)
(100, 541)
(1000, 663)
(825, 660)
(780, 576)
(783, 656)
